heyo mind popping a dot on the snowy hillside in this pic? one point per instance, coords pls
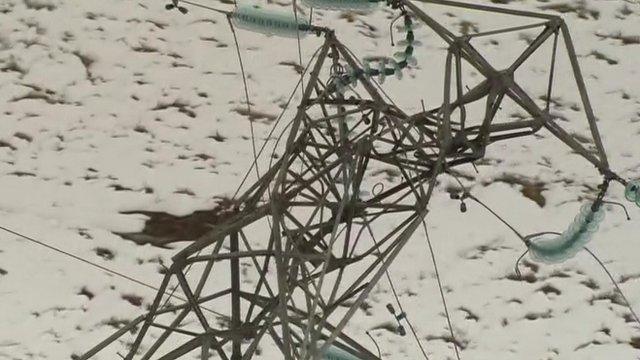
(118, 113)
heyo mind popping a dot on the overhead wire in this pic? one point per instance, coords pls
(526, 240)
(248, 101)
(437, 273)
(295, 15)
(433, 257)
(373, 238)
(246, 91)
(98, 266)
(439, 281)
(249, 111)
(615, 283)
(395, 294)
(375, 343)
(276, 123)
(444, 301)
(246, 94)
(206, 7)
(256, 154)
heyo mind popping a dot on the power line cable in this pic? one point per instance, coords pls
(98, 266)
(246, 94)
(615, 283)
(395, 295)
(444, 301)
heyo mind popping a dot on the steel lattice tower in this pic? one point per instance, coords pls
(309, 233)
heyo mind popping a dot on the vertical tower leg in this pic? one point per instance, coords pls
(235, 298)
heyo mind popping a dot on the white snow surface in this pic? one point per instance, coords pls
(95, 94)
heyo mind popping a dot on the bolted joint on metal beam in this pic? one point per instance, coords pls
(364, 146)
(556, 22)
(179, 261)
(304, 104)
(505, 76)
(278, 202)
(459, 42)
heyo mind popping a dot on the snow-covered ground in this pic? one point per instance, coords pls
(113, 107)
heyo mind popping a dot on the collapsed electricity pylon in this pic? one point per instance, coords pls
(304, 246)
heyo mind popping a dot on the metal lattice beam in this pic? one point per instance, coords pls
(324, 241)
